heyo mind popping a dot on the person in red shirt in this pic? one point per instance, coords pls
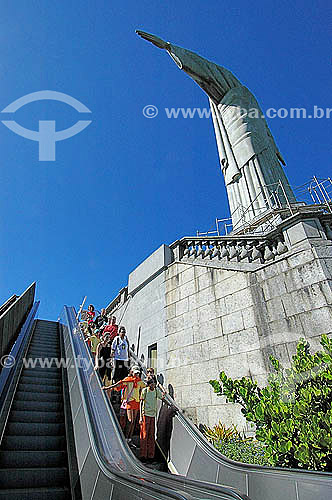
(111, 329)
(90, 313)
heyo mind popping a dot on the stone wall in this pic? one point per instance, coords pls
(209, 327)
(141, 306)
(221, 319)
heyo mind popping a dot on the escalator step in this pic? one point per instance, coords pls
(44, 347)
(33, 443)
(46, 324)
(32, 478)
(35, 380)
(38, 396)
(39, 388)
(36, 416)
(46, 335)
(41, 459)
(46, 331)
(34, 429)
(46, 341)
(37, 341)
(47, 352)
(49, 359)
(37, 406)
(36, 494)
(42, 373)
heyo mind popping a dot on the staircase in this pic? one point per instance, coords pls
(33, 453)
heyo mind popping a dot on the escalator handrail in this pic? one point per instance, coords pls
(97, 443)
(211, 450)
(153, 477)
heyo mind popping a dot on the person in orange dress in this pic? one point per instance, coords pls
(132, 386)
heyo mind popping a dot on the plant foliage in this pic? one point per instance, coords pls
(222, 433)
(247, 451)
(293, 414)
(234, 444)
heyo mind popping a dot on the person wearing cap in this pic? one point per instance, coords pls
(132, 386)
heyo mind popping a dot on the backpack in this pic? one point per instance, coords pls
(124, 338)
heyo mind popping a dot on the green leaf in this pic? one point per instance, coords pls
(259, 411)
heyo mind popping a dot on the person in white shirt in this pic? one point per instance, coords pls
(120, 353)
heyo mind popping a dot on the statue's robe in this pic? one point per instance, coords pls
(249, 157)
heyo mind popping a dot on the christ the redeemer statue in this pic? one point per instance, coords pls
(249, 158)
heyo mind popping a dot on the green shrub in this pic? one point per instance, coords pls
(247, 451)
(234, 444)
(293, 414)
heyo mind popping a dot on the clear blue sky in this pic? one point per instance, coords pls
(127, 184)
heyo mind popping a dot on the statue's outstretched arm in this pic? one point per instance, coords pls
(158, 42)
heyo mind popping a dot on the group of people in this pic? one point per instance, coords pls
(109, 347)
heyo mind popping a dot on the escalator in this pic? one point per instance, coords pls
(41, 409)
(33, 453)
(59, 437)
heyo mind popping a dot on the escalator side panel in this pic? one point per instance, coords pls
(182, 448)
(201, 465)
(231, 477)
(75, 485)
(82, 440)
(103, 488)
(89, 473)
(81, 437)
(308, 491)
(272, 487)
(259, 483)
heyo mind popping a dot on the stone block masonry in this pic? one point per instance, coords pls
(233, 320)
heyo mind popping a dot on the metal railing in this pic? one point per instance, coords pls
(13, 317)
(252, 219)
